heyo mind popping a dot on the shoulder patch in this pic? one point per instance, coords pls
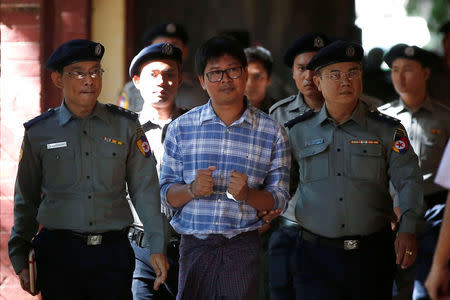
(122, 111)
(376, 115)
(305, 116)
(281, 102)
(42, 116)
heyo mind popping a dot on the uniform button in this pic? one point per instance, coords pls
(57, 156)
(340, 199)
(89, 197)
(338, 174)
(84, 131)
(364, 151)
(114, 153)
(88, 177)
(338, 149)
(343, 225)
(217, 223)
(90, 223)
(87, 153)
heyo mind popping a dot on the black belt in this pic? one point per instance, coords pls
(90, 238)
(346, 243)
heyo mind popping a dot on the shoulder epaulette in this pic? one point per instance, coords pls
(281, 102)
(42, 116)
(375, 114)
(298, 119)
(122, 111)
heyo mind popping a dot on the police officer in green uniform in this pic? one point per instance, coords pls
(308, 98)
(74, 165)
(427, 122)
(347, 154)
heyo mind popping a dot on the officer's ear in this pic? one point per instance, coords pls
(136, 80)
(57, 79)
(202, 81)
(316, 80)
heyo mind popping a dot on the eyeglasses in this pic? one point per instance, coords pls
(82, 75)
(353, 74)
(217, 75)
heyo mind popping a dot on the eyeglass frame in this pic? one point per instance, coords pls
(83, 75)
(241, 68)
(357, 73)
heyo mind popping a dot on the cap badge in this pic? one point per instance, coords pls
(171, 28)
(98, 50)
(409, 51)
(318, 42)
(350, 51)
(167, 49)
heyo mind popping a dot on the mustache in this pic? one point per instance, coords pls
(226, 86)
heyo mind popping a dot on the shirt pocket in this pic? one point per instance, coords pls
(59, 168)
(110, 164)
(366, 162)
(313, 163)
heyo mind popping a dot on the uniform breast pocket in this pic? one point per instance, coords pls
(366, 162)
(432, 145)
(110, 162)
(59, 167)
(313, 163)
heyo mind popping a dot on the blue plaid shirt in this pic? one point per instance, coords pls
(254, 144)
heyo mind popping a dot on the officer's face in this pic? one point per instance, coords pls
(346, 89)
(79, 93)
(226, 91)
(158, 82)
(174, 41)
(409, 76)
(303, 77)
(257, 83)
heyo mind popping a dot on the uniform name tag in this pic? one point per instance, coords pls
(315, 142)
(57, 145)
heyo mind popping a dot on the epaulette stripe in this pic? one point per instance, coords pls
(298, 119)
(375, 114)
(122, 111)
(42, 116)
(281, 102)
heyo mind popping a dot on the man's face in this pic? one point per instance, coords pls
(174, 41)
(227, 90)
(158, 82)
(409, 76)
(81, 93)
(257, 83)
(303, 77)
(337, 87)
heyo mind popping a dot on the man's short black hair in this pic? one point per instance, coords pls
(262, 55)
(216, 47)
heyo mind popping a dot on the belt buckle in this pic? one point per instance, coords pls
(93, 240)
(351, 244)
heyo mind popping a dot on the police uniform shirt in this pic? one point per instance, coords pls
(72, 176)
(345, 171)
(283, 111)
(428, 129)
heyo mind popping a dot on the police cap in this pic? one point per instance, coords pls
(165, 30)
(410, 52)
(336, 52)
(74, 51)
(307, 43)
(154, 52)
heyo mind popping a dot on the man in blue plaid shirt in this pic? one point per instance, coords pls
(223, 162)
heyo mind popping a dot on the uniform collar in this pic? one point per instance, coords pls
(207, 114)
(358, 115)
(427, 104)
(65, 115)
(298, 104)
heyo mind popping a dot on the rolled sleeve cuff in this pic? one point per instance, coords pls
(279, 199)
(164, 201)
(409, 224)
(19, 262)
